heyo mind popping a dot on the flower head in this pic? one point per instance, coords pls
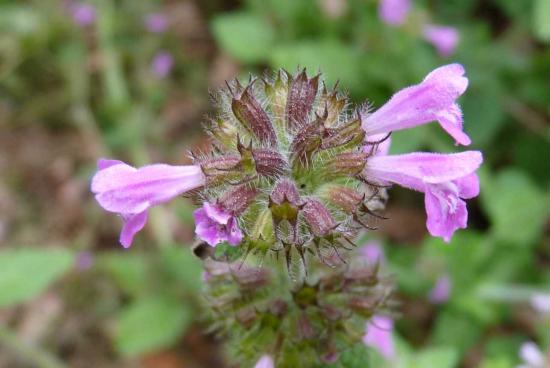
(372, 252)
(83, 14)
(162, 64)
(379, 336)
(541, 303)
(446, 179)
(130, 192)
(266, 361)
(444, 38)
(441, 290)
(394, 12)
(214, 225)
(532, 356)
(156, 22)
(433, 99)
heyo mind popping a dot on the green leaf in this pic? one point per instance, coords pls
(443, 357)
(356, 357)
(25, 273)
(336, 60)
(129, 271)
(150, 324)
(180, 263)
(243, 35)
(541, 19)
(454, 329)
(516, 207)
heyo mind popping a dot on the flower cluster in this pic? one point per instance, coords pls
(293, 176)
(312, 322)
(312, 172)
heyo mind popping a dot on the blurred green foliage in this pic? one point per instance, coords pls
(97, 80)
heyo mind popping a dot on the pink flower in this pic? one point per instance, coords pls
(433, 99)
(379, 336)
(162, 64)
(541, 303)
(214, 225)
(532, 356)
(372, 252)
(130, 192)
(445, 39)
(442, 290)
(394, 12)
(83, 14)
(266, 361)
(446, 179)
(156, 23)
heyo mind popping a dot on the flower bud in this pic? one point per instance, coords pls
(318, 218)
(285, 202)
(346, 164)
(219, 169)
(238, 199)
(301, 94)
(246, 316)
(253, 117)
(251, 278)
(344, 198)
(305, 143)
(269, 163)
(305, 329)
(350, 134)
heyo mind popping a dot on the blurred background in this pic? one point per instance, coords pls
(131, 79)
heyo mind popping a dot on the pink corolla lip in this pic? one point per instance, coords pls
(379, 336)
(445, 179)
(266, 361)
(394, 12)
(444, 38)
(214, 225)
(130, 192)
(434, 99)
(441, 290)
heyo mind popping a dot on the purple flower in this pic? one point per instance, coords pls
(162, 64)
(156, 23)
(214, 225)
(266, 361)
(446, 179)
(441, 290)
(532, 356)
(379, 336)
(394, 12)
(83, 14)
(445, 39)
(372, 252)
(84, 260)
(541, 303)
(432, 99)
(130, 192)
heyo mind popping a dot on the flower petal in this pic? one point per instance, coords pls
(216, 213)
(132, 224)
(446, 212)
(379, 336)
(445, 39)
(104, 163)
(432, 99)
(394, 12)
(266, 361)
(451, 121)
(468, 186)
(413, 170)
(123, 189)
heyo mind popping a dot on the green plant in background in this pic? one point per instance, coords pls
(95, 78)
